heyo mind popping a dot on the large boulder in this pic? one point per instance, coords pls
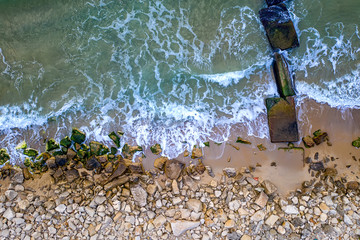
(273, 2)
(279, 28)
(283, 76)
(51, 144)
(77, 136)
(282, 119)
(173, 168)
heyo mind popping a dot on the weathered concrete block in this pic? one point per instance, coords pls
(279, 28)
(282, 119)
(283, 76)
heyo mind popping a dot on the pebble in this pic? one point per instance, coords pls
(291, 209)
(61, 208)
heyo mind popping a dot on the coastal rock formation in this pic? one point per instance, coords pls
(283, 77)
(282, 119)
(78, 136)
(273, 2)
(279, 27)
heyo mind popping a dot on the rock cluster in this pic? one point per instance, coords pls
(177, 201)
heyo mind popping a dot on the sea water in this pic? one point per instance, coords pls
(178, 73)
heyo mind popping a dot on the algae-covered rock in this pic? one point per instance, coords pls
(113, 136)
(81, 154)
(243, 141)
(207, 144)
(78, 136)
(113, 150)
(283, 76)
(51, 145)
(356, 143)
(261, 147)
(21, 145)
(282, 119)
(27, 162)
(196, 153)
(65, 142)
(279, 28)
(156, 149)
(320, 137)
(98, 149)
(31, 152)
(308, 141)
(4, 156)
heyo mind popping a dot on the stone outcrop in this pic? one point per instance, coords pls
(283, 76)
(282, 119)
(279, 27)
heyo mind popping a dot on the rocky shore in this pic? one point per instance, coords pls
(174, 201)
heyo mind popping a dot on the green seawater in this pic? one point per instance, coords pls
(163, 71)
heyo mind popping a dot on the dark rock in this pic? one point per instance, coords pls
(234, 236)
(116, 139)
(71, 175)
(51, 145)
(317, 166)
(356, 143)
(320, 137)
(273, 2)
(4, 156)
(279, 28)
(328, 229)
(283, 77)
(241, 140)
(118, 171)
(92, 163)
(18, 176)
(31, 152)
(353, 185)
(136, 168)
(27, 174)
(156, 149)
(282, 119)
(173, 168)
(297, 222)
(61, 160)
(78, 136)
(102, 159)
(65, 142)
(200, 167)
(70, 154)
(118, 182)
(81, 154)
(51, 163)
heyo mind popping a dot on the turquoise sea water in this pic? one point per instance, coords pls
(163, 71)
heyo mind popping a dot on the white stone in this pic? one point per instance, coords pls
(291, 209)
(61, 208)
(347, 220)
(99, 199)
(271, 220)
(11, 194)
(176, 200)
(175, 187)
(18, 221)
(281, 230)
(194, 204)
(90, 211)
(323, 217)
(52, 230)
(23, 204)
(19, 188)
(258, 216)
(9, 214)
(245, 237)
(181, 226)
(317, 211)
(139, 194)
(234, 205)
(159, 221)
(217, 193)
(262, 200)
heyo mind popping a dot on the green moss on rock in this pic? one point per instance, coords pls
(98, 149)
(21, 145)
(65, 142)
(356, 143)
(31, 152)
(4, 156)
(51, 145)
(78, 136)
(116, 139)
(156, 149)
(243, 141)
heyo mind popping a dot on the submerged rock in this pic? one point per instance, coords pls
(241, 140)
(98, 149)
(4, 156)
(31, 152)
(283, 76)
(173, 168)
(78, 136)
(116, 139)
(51, 145)
(273, 2)
(279, 28)
(156, 149)
(282, 119)
(65, 142)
